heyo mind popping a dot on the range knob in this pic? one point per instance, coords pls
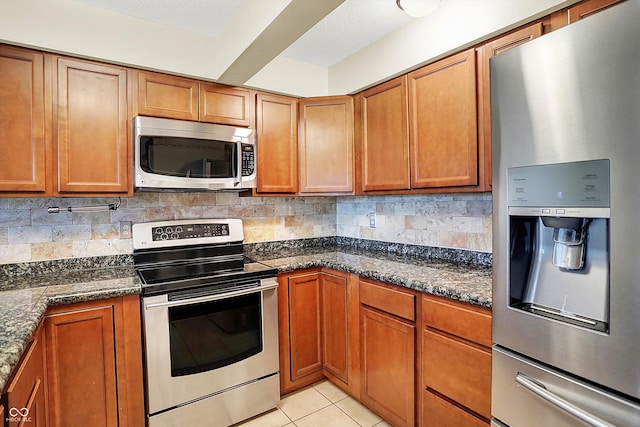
(164, 236)
(175, 236)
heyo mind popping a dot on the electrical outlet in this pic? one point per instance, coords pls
(372, 220)
(125, 229)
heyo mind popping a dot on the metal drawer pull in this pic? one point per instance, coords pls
(539, 390)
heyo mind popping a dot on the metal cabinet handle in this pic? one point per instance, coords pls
(540, 390)
(267, 286)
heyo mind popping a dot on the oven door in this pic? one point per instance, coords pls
(199, 344)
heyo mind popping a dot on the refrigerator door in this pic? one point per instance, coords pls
(526, 393)
(573, 95)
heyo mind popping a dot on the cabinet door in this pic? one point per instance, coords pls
(27, 387)
(388, 366)
(326, 145)
(23, 120)
(385, 137)
(304, 325)
(443, 123)
(486, 52)
(335, 331)
(161, 95)
(92, 137)
(584, 9)
(226, 105)
(277, 128)
(81, 368)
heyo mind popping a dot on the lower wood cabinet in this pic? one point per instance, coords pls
(318, 329)
(299, 329)
(25, 395)
(413, 359)
(439, 412)
(456, 363)
(94, 363)
(340, 330)
(388, 337)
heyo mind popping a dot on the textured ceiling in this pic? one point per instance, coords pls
(200, 16)
(349, 28)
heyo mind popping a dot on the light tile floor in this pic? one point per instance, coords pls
(321, 405)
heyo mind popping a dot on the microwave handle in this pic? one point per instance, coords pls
(237, 176)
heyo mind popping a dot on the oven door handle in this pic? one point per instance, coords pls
(268, 285)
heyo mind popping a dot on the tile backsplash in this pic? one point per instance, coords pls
(461, 221)
(29, 233)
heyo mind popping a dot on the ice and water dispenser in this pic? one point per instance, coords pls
(559, 218)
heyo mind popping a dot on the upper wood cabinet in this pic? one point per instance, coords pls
(65, 129)
(584, 9)
(162, 95)
(277, 129)
(92, 138)
(226, 105)
(24, 119)
(172, 97)
(485, 53)
(384, 133)
(443, 123)
(326, 145)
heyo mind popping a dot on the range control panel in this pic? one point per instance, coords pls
(186, 232)
(189, 231)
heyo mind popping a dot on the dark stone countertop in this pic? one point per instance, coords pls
(461, 282)
(24, 300)
(26, 290)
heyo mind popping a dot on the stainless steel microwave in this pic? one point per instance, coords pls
(182, 155)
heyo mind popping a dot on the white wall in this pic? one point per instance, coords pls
(69, 27)
(456, 24)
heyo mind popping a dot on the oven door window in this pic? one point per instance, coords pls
(188, 157)
(211, 335)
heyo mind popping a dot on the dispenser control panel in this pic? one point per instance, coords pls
(558, 186)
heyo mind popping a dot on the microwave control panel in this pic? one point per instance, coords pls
(248, 160)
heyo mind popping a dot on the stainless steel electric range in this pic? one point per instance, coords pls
(210, 324)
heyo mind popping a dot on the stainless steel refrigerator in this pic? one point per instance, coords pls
(566, 223)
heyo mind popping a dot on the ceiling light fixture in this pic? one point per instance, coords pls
(418, 8)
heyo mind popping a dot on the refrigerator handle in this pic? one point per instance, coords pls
(541, 391)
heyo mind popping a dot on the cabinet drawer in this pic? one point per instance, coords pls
(463, 320)
(437, 412)
(459, 371)
(392, 301)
